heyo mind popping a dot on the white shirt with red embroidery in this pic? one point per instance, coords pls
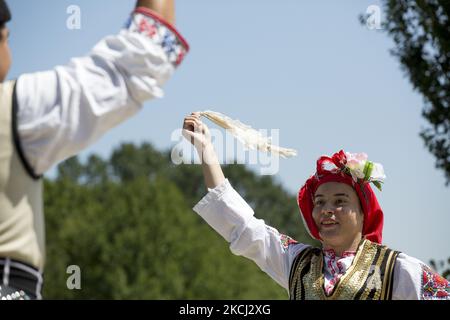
(230, 215)
(63, 110)
(335, 267)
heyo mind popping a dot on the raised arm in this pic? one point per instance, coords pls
(166, 8)
(62, 111)
(228, 213)
(195, 131)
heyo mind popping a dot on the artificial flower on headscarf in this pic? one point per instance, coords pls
(359, 167)
(358, 172)
(356, 165)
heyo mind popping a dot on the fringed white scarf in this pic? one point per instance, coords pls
(248, 136)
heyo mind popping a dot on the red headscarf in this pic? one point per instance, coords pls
(373, 215)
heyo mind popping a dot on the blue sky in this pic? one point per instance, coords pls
(309, 69)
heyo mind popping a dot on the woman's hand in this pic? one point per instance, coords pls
(196, 132)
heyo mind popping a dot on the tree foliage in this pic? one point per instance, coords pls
(128, 223)
(442, 267)
(421, 32)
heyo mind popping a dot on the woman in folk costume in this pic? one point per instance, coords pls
(46, 117)
(338, 208)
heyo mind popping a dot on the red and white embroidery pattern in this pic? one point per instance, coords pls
(335, 267)
(148, 24)
(434, 287)
(286, 241)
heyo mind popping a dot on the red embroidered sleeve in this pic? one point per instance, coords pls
(434, 286)
(161, 32)
(286, 241)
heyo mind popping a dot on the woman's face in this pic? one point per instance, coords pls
(5, 55)
(338, 214)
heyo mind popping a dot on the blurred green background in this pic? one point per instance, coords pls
(128, 223)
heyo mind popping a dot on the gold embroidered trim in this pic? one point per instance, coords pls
(367, 277)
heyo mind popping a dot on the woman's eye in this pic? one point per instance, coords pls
(340, 201)
(318, 203)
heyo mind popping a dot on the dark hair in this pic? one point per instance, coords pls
(5, 14)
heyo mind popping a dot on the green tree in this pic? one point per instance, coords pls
(442, 267)
(421, 32)
(128, 223)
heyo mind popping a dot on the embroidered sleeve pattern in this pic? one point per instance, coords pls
(151, 25)
(286, 241)
(434, 287)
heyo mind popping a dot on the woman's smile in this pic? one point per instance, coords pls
(328, 224)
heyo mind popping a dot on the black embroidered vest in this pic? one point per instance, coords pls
(370, 277)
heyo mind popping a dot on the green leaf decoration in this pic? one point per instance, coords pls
(377, 184)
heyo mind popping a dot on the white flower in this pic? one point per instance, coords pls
(377, 172)
(358, 166)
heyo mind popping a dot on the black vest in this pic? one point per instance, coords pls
(370, 277)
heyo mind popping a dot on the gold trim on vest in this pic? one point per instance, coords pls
(369, 277)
